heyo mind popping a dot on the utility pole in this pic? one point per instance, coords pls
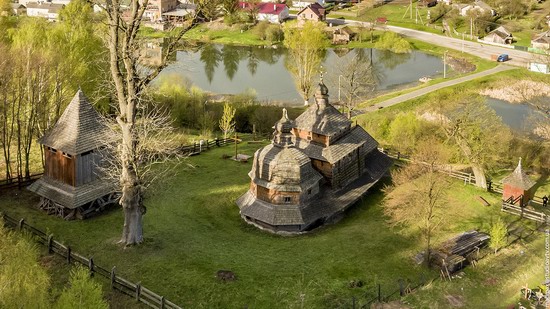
(471, 28)
(445, 64)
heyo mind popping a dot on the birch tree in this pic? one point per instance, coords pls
(306, 48)
(129, 85)
(227, 122)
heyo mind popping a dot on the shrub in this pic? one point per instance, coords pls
(261, 29)
(274, 34)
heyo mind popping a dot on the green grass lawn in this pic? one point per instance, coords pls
(395, 13)
(193, 229)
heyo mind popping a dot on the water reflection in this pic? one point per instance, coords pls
(234, 69)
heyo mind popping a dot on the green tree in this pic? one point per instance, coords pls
(82, 293)
(394, 42)
(23, 282)
(477, 131)
(404, 131)
(227, 122)
(306, 47)
(498, 234)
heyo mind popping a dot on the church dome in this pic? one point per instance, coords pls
(283, 169)
(322, 90)
(288, 166)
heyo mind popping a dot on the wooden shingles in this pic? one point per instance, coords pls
(79, 129)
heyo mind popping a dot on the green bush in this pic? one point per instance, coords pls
(261, 29)
(274, 34)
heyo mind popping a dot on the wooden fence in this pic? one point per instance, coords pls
(467, 178)
(18, 182)
(523, 212)
(204, 145)
(136, 290)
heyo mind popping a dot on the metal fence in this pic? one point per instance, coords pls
(136, 290)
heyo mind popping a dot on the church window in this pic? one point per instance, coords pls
(287, 199)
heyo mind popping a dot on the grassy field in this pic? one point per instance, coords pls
(193, 229)
(395, 14)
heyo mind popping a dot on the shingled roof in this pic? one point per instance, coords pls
(79, 129)
(69, 196)
(519, 179)
(325, 120)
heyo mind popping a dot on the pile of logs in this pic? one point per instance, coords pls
(457, 252)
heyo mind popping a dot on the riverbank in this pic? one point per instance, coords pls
(518, 91)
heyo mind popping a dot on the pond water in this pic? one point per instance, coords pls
(520, 117)
(226, 69)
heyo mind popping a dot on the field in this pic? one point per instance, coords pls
(193, 229)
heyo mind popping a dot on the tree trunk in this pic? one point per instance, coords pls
(479, 174)
(131, 199)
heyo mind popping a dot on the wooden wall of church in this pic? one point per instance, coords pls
(275, 197)
(314, 137)
(323, 167)
(59, 166)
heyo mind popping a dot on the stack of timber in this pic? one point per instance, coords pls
(455, 253)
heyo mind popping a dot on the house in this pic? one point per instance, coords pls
(316, 167)
(300, 4)
(156, 8)
(18, 9)
(342, 35)
(312, 12)
(500, 36)
(539, 67)
(541, 41)
(478, 5)
(72, 185)
(46, 10)
(272, 12)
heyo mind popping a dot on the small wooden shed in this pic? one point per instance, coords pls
(518, 187)
(72, 186)
(342, 35)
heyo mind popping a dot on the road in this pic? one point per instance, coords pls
(485, 51)
(425, 90)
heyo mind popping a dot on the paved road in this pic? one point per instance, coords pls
(517, 57)
(425, 90)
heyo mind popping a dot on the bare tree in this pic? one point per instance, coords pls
(423, 206)
(355, 78)
(130, 83)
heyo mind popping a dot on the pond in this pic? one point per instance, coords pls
(226, 69)
(520, 117)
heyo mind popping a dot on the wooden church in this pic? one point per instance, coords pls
(72, 186)
(315, 168)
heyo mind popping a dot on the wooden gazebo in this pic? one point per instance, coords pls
(518, 187)
(72, 186)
